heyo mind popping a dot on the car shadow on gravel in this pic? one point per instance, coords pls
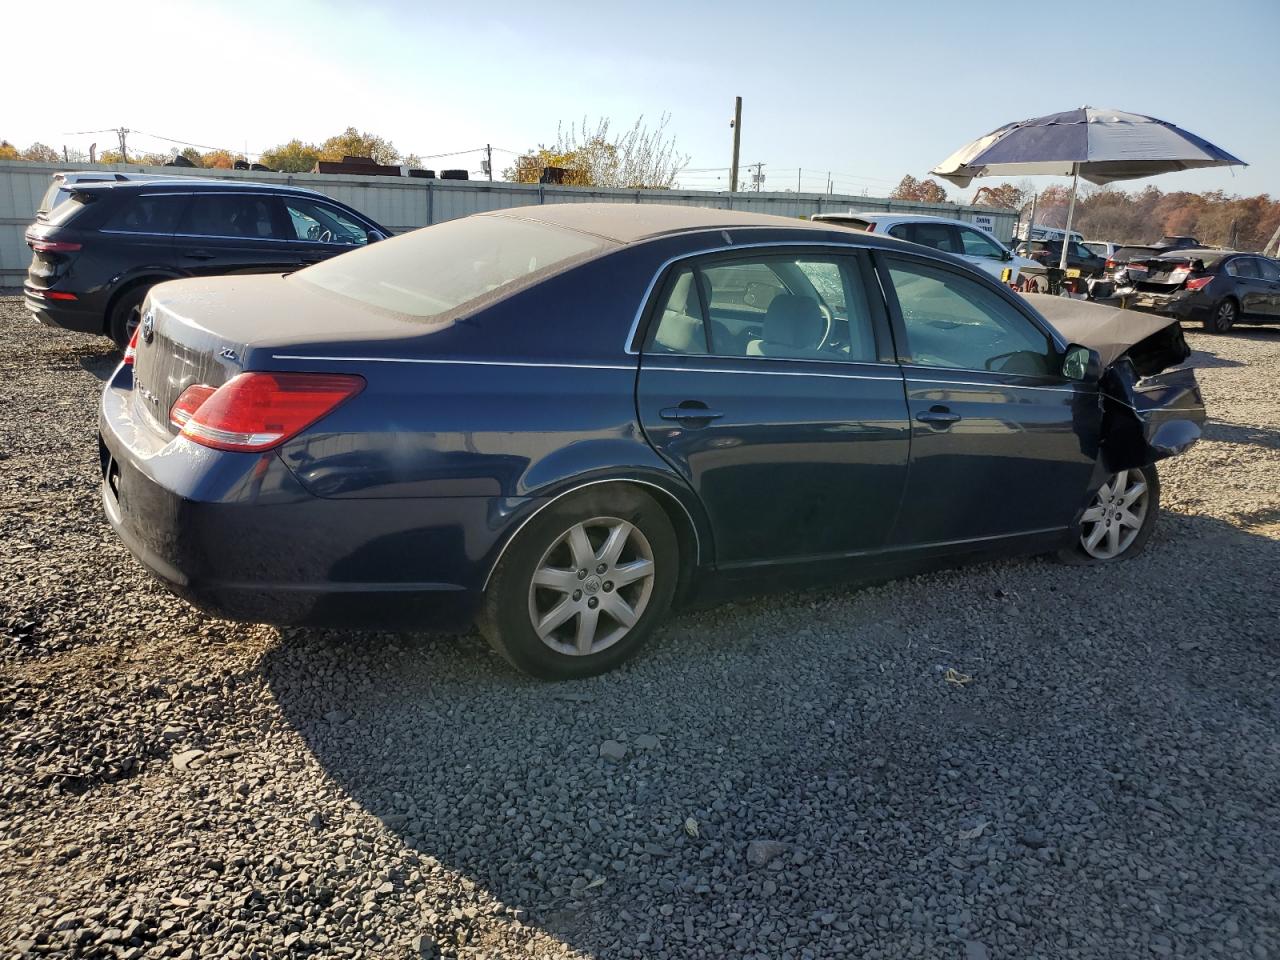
(912, 767)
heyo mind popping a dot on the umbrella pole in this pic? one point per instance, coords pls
(1075, 182)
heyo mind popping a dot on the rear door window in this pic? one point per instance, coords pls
(806, 307)
(233, 216)
(1268, 269)
(939, 236)
(147, 214)
(1243, 267)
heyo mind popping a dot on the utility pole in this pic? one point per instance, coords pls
(758, 177)
(737, 142)
(122, 133)
(488, 161)
(798, 172)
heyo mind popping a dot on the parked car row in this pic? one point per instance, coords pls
(1216, 288)
(956, 237)
(96, 253)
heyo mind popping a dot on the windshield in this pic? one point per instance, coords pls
(430, 272)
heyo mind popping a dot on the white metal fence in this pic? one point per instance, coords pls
(408, 203)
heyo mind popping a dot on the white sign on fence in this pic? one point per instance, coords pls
(985, 221)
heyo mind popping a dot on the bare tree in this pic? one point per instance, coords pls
(640, 158)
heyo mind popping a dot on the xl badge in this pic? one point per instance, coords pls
(149, 326)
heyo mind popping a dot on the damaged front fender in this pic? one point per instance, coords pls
(1149, 411)
(1145, 419)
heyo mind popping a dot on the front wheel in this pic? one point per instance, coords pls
(1120, 518)
(583, 584)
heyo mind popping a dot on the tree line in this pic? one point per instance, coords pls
(586, 154)
(295, 156)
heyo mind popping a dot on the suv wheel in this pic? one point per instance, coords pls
(583, 584)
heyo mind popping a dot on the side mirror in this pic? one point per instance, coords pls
(1082, 364)
(1006, 256)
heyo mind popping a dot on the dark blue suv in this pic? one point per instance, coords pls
(98, 252)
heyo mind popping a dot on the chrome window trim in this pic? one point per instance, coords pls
(631, 368)
(771, 373)
(693, 526)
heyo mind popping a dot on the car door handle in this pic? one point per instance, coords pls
(693, 412)
(198, 255)
(939, 417)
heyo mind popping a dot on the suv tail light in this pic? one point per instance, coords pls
(131, 351)
(1199, 283)
(1111, 264)
(257, 411)
(53, 246)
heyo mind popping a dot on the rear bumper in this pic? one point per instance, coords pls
(237, 536)
(1184, 305)
(68, 314)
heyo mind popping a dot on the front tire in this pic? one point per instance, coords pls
(1225, 314)
(1119, 520)
(583, 585)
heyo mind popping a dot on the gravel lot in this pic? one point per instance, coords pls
(788, 777)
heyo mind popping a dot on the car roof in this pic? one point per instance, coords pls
(193, 183)
(1203, 252)
(636, 222)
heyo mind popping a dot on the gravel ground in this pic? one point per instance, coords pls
(792, 776)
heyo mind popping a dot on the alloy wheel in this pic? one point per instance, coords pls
(1225, 317)
(1114, 518)
(591, 586)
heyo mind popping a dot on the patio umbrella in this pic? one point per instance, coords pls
(1102, 146)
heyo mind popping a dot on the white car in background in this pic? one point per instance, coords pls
(950, 236)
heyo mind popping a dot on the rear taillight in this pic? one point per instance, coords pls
(257, 411)
(1199, 283)
(190, 401)
(1111, 264)
(53, 246)
(131, 351)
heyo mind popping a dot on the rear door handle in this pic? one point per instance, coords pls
(198, 255)
(939, 417)
(692, 412)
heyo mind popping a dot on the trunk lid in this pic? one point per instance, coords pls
(1160, 274)
(208, 330)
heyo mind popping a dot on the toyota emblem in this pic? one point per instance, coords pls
(149, 326)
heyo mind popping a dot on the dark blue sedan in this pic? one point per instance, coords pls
(559, 420)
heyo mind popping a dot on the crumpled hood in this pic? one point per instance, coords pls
(1111, 331)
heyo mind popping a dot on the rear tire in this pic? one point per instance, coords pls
(600, 551)
(126, 314)
(1225, 314)
(1119, 520)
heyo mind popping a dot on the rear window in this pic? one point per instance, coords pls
(67, 209)
(1098, 248)
(855, 223)
(432, 271)
(1130, 253)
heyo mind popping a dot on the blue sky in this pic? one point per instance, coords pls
(869, 91)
